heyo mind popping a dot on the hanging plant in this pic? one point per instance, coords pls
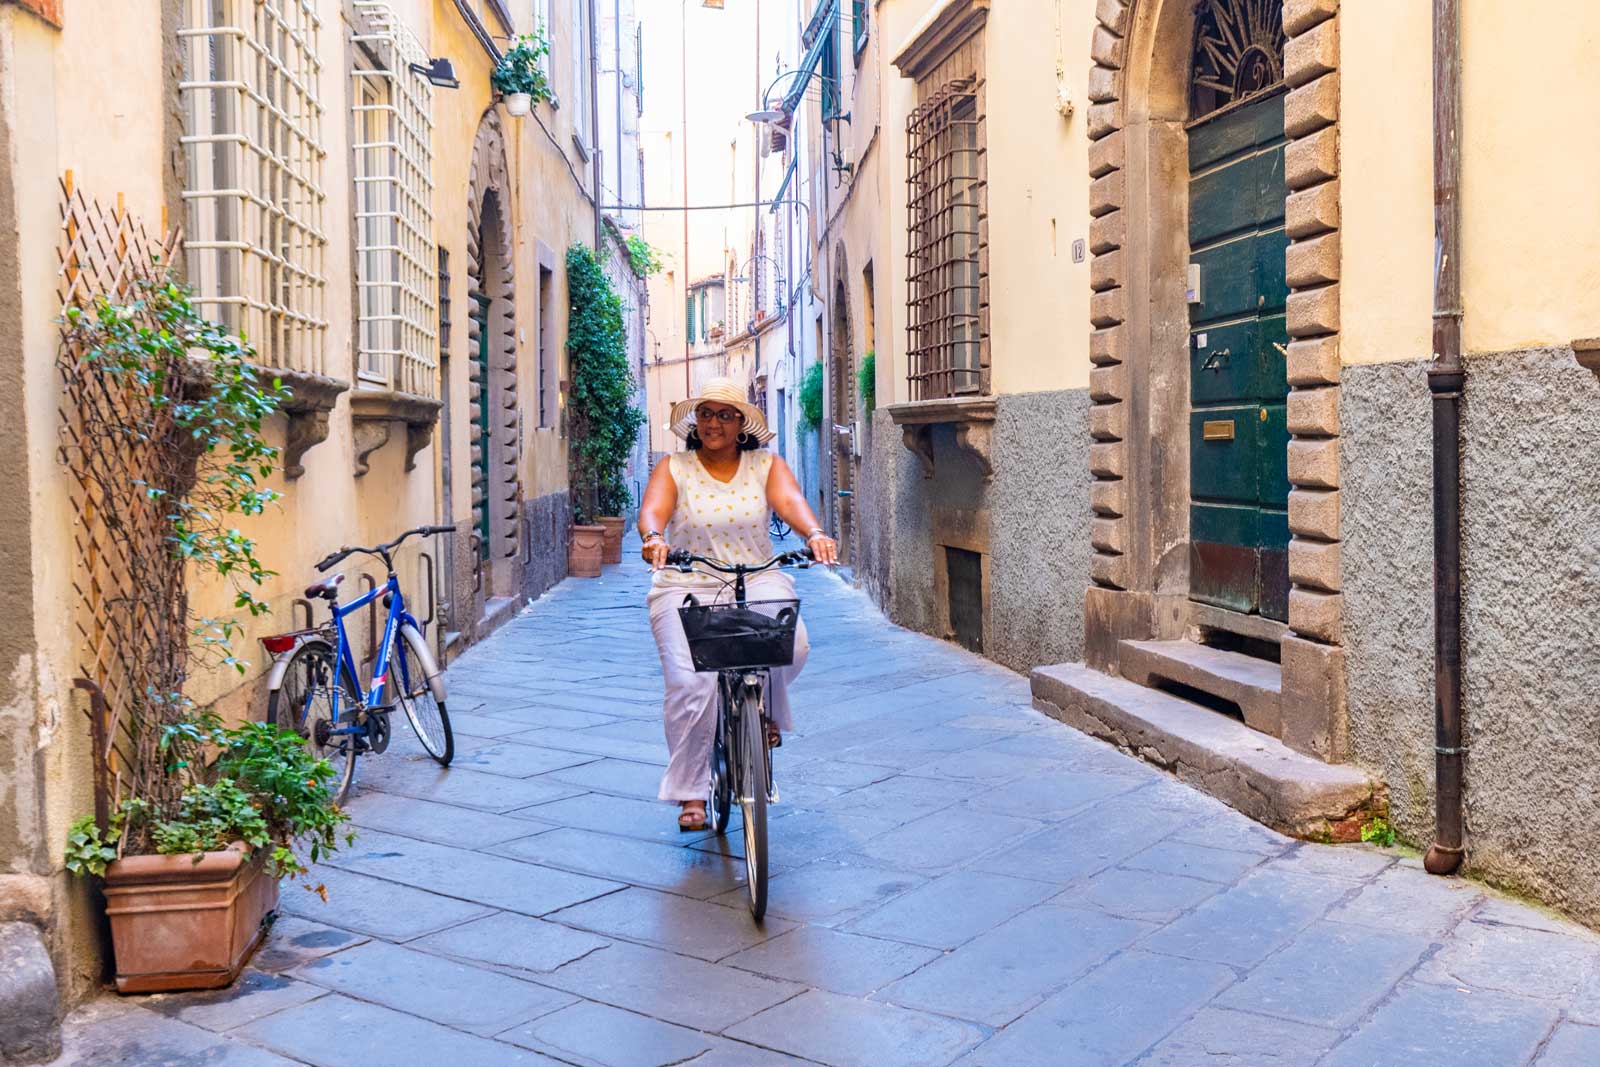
(604, 422)
(643, 257)
(867, 380)
(811, 398)
(520, 76)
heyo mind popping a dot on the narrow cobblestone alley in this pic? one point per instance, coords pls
(958, 879)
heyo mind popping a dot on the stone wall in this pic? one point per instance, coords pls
(1035, 513)
(1531, 625)
(548, 521)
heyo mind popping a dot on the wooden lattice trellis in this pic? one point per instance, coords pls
(131, 606)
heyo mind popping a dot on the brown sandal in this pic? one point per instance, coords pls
(774, 738)
(694, 827)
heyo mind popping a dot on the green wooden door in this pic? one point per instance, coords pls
(481, 435)
(1238, 440)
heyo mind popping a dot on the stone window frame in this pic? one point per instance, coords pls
(1139, 489)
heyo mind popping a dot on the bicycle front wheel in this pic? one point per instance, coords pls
(428, 717)
(304, 703)
(753, 781)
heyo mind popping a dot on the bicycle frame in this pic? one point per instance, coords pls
(397, 617)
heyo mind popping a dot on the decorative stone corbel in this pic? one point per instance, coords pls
(311, 399)
(976, 439)
(918, 437)
(971, 416)
(373, 413)
(1587, 349)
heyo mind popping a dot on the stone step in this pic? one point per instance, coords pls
(1244, 768)
(1256, 685)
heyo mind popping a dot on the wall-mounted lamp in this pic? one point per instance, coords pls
(439, 73)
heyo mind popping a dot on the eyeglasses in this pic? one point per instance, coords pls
(725, 415)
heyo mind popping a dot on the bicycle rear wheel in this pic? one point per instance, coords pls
(429, 719)
(304, 703)
(753, 782)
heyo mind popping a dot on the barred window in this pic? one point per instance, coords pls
(253, 187)
(393, 205)
(945, 193)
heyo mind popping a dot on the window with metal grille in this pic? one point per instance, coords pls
(253, 182)
(945, 203)
(393, 171)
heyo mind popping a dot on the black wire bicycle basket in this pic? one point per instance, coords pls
(728, 637)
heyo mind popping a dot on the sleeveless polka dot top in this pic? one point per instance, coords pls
(722, 520)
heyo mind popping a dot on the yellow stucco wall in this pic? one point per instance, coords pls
(1037, 193)
(89, 98)
(1530, 254)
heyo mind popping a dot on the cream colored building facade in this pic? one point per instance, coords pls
(425, 336)
(1192, 281)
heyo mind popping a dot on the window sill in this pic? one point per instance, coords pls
(373, 413)
(973, 419)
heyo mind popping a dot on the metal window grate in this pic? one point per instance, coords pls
(945, 206)
(394, 204)
(253, 189)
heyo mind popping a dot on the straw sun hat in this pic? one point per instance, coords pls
(720, 391)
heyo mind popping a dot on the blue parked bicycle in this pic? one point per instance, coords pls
(315, 690)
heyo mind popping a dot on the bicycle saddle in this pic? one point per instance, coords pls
(328, 588)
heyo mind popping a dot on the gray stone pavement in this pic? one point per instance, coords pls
(957, 879)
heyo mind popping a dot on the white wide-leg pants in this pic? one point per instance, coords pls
(689, 712)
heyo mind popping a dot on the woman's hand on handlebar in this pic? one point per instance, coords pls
(824, 549)
(655, 552)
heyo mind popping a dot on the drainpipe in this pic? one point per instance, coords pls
(1446, 378)
(594, 130)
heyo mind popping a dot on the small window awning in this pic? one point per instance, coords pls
(821, 31)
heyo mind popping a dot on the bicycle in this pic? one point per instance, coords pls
(742, 644)
(315, 690)
(778, 527)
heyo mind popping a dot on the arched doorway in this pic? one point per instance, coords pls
(1200, 108)
(494, 436)
(841, 414)
(1237, 292)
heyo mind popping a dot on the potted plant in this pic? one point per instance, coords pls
(189, 887)
(603, 419)
(519, 77)
(195, 823)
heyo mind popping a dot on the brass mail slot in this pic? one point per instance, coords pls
(1217, 430)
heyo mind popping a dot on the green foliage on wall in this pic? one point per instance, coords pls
(811, 398)
(604, 423)
(867, 380)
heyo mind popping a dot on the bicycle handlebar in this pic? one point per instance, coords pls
(380, 550)
(683, 559)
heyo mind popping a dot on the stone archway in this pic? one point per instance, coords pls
(492, 364)
(842, 409)
(1138, 236)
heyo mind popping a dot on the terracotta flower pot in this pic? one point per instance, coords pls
(614, 525)
(177, 924)
(584, 551)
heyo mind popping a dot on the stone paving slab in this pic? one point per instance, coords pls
(957, 879)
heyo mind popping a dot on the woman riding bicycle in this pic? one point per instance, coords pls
(715, 499)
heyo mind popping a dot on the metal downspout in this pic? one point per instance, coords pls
(1446, 378)
(594, 130)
